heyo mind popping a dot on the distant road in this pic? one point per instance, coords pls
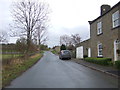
(51, 72)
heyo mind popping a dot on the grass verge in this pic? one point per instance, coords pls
(10, 56)
(54, 52)
(10, 72)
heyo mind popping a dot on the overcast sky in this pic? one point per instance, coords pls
(67, 17)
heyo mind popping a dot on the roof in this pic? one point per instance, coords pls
(90, 22)
(85, 40)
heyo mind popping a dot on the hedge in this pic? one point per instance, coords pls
(101, 61)
(117, 64)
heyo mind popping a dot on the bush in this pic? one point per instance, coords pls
(117, 64)
(110, 63)
(101, 61)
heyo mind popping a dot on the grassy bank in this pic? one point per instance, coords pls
(9, 56)
(55, 52)
(15, 69)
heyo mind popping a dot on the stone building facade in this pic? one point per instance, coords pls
(104, 34)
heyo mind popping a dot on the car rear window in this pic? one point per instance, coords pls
(66, 52)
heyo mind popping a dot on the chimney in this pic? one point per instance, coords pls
(105, 8)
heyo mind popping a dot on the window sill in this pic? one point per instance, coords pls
(115, 27)
(99, 34)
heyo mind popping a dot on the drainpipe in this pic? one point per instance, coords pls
(119, 50)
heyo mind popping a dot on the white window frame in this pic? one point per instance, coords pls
(100, 50)
(116, 19)
(99, 27)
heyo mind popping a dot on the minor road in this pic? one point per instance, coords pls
(51, 72)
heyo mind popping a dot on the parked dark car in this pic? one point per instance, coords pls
(65, 54)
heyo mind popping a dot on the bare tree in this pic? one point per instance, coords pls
(29, 16)
(3, 37)
(41, 35)
(75, 39)
(66, 40)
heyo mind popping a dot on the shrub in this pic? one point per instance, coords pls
(110, 63)
(101, 61)
(117, 64)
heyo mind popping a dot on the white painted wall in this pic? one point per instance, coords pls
(79, 52)
(89, 52)
(115, 48)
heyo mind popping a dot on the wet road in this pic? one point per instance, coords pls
(51, 72)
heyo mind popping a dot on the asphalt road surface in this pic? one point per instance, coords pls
(51, 72)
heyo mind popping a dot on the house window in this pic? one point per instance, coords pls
(99, 28)
(100, 49)
(116, 19)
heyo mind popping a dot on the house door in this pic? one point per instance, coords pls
(89, 52)
(79, 52)
(115, 49)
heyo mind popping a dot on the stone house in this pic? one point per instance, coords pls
(104, 35)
